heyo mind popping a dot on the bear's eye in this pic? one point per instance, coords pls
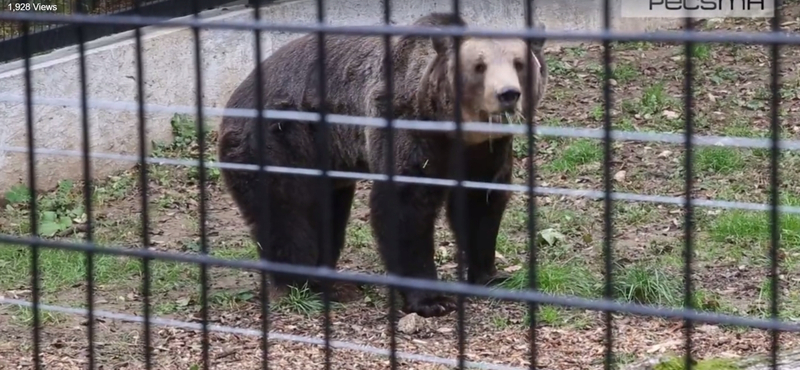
(518, 65)
(480, 68)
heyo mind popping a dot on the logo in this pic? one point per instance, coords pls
(697, 8)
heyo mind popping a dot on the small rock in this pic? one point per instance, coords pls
(620, 176)
(670, 114)
(409, 324)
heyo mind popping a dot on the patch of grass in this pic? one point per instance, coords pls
(632, 214)
(632, 45)
(655, 98)
(598, 113)
(550, 315)
(646, 284)
(701, 51)
(625, 124)
(577, 154)
(60, 269)
(576, 51)
(557, 67)
(244, 249)
(746, 227)
(709, 364)
(24, 316)
(359, 235)
(230, 300)
(624, 73)
(185, 136)
(722, 75)
(564, 279)
(741, 128)
(299, 300)
(718, 160)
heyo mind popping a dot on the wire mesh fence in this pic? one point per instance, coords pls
(474, 205)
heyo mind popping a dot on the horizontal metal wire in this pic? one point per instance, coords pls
(564, 131)
(257, 333)
(766, 38)
(539, 190)
(446, 287)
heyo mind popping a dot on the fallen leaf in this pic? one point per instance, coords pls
(512, 268)
(551, 236)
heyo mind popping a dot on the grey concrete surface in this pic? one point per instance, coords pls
(169, 73)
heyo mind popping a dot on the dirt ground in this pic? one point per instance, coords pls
(731, 247)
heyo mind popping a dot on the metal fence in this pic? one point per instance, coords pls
(532, 297)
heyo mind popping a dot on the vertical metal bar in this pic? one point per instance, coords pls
(145, 217)
(261, 198)
(688, 206)
(774, 185)
(34, 220)
(325, 182)
(459, 200)
(390, 165)
(533, 280)
(608, 204)
(87, 196)
(201, 148)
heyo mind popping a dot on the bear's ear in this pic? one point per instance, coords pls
(442, 44)
(537, 43)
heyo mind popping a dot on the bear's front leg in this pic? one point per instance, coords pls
(482, 213)
(408, 247)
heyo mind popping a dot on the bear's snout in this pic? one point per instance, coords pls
(508, 97)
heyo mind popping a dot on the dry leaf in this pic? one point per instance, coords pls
(409, 324)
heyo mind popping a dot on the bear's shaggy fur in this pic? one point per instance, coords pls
(284, 212)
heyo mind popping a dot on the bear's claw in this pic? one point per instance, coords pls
(491, 280)
(429, 305)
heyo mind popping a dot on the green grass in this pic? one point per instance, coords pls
(299, 300)
(719, 160)
(647, 284)
(578, 153)
(743, 227)
(23, 316)
(61, 269)
(701, 52)
(359, 235)
(566, 279)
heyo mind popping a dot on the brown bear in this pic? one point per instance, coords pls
(287, 221)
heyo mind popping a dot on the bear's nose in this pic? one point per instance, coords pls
(508, 96)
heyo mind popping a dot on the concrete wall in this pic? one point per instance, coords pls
(227, 57)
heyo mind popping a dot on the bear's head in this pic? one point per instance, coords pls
(494, 73)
